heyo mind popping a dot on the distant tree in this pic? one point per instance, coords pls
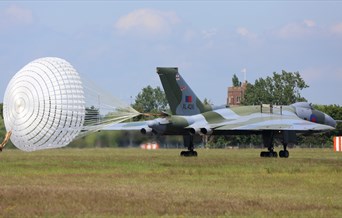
(281, 89)
(235, 81)
(207, 101)
(150, 100)
(335, 111)
(2, 110)
(3, 131)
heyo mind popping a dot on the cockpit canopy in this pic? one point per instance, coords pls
(303, 105)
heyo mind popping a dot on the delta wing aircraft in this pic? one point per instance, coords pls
(189, 116)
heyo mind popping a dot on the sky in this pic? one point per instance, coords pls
(119, 44)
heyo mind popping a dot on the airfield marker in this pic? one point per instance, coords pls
(338, 143)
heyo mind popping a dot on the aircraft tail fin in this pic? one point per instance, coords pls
(181, 98)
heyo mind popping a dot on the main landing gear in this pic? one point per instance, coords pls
(284, 153)
(268, 137)
(268, 154)
(190, 153)
(189, 143)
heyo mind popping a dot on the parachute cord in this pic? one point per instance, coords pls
(6, 139)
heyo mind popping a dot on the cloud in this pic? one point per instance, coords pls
(13, 16)
(320, 73)
(147, 21)
(189, 35)
(313, 74)
(297, 30)
(309, 23)
(245, 33)
(207, 34)
(242, 31)
(337, 29)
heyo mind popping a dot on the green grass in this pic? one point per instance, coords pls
(132, 182)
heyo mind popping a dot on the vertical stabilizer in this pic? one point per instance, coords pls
(181, 98)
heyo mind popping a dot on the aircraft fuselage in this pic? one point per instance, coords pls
(235, 118)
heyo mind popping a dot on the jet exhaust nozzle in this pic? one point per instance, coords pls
(206, 131)
(194, 131)
(145, 131)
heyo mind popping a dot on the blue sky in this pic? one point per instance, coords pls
(119, 44)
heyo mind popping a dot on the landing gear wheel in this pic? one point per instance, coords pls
(267, 137)
(274, 154)
(188, 154)
(284, 154)
(268, 154)
(189, 143)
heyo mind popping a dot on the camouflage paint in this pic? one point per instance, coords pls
(182, 100)
(190, 115)
(213, 117)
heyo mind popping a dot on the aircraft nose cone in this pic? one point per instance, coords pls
(330, 121)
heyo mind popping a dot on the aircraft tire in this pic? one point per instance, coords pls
(188, 154)
(284, 154)
(268, 154)
(274, 154)
(265, 154)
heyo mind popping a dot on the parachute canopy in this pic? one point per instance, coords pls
(47, 105)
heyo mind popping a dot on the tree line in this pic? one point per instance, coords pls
(281, 89)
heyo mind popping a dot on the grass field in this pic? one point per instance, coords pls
(132, 182)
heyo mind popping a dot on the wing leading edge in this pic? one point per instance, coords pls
(127, 126)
